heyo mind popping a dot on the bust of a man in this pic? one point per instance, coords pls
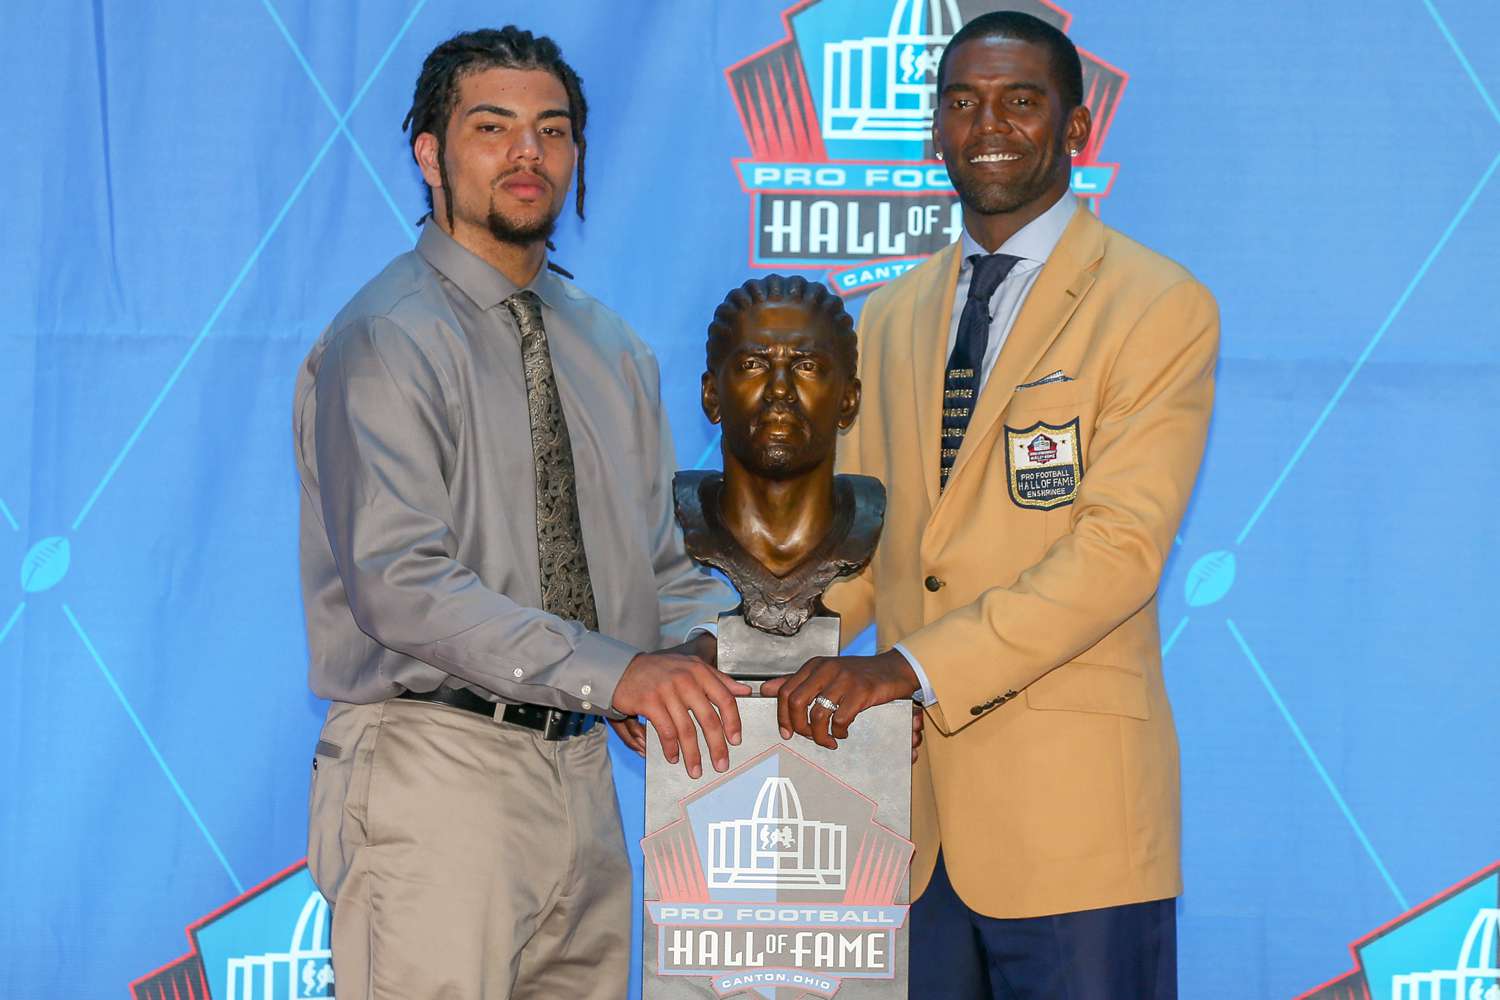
(781, 381)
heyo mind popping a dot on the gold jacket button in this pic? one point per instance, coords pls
(933, 584)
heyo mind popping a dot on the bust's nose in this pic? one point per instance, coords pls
(779, 386)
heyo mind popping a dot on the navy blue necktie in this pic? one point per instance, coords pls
(962, 383)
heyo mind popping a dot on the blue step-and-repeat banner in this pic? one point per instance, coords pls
(195, 189)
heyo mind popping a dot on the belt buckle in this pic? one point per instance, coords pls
(556, 725)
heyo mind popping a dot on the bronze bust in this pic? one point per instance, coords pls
(782, 382)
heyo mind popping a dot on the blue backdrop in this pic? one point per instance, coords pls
(195, 188)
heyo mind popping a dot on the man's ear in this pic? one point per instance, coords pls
(1080, 127)
(849, 405)
(425, 151)
(710, 398)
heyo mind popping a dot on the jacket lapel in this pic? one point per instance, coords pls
(932, 316)
(1059, 288)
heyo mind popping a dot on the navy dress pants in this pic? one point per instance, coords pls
(1114, 953)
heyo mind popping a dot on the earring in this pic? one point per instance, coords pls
(940, 154)
(1072, 152)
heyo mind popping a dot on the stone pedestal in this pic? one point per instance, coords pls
(748, 654)
(787, 876)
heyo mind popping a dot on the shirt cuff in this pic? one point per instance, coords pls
(711, 628)
(926, 695)
(595, 668)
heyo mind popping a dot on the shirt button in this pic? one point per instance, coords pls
(933, 584)
(586, 705)
(519, 672)
(587, 689)
(977, 710)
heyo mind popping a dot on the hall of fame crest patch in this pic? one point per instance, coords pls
(1044, 464)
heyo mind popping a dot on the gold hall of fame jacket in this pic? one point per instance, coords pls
(1027, 588)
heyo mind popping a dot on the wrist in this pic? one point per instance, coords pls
(705, 646)
(901, 669)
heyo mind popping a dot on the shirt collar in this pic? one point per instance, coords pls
(474, 276)
(1034, 241)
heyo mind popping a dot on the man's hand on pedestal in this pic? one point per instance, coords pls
(821, 700)
(673, 688)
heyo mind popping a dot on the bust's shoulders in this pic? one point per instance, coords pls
(687, 487)
(867, 496)
(689, 495)
(866, 490)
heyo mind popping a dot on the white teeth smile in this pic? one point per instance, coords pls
(995, 157)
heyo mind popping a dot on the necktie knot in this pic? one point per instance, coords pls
(526, 307)
(989, 271)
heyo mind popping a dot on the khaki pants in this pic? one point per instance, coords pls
(467, 859)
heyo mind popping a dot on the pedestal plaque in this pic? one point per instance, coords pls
(787, 876)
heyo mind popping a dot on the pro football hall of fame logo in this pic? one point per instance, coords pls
(269, 944)
(842, 175)
(1447, 948)
(766, 894)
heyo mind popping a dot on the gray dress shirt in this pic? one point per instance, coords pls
(418, 535)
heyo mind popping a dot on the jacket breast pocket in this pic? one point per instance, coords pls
(1029, 398)
(1091, 687)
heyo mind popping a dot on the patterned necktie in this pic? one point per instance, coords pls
(566, 590)
(962, 382)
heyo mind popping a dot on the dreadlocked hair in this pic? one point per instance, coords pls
(509, 47)
(777, 289)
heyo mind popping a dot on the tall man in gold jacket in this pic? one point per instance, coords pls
(1038, 418)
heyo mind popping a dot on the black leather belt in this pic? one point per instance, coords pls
(552, 723)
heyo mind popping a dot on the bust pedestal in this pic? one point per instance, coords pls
(748, 654)
(788, 875)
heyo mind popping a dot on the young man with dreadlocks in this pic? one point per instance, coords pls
(488, 547)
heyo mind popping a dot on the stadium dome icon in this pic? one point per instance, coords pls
(1476, 976)
(303, 972)
(776, 848)
(884, 87)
